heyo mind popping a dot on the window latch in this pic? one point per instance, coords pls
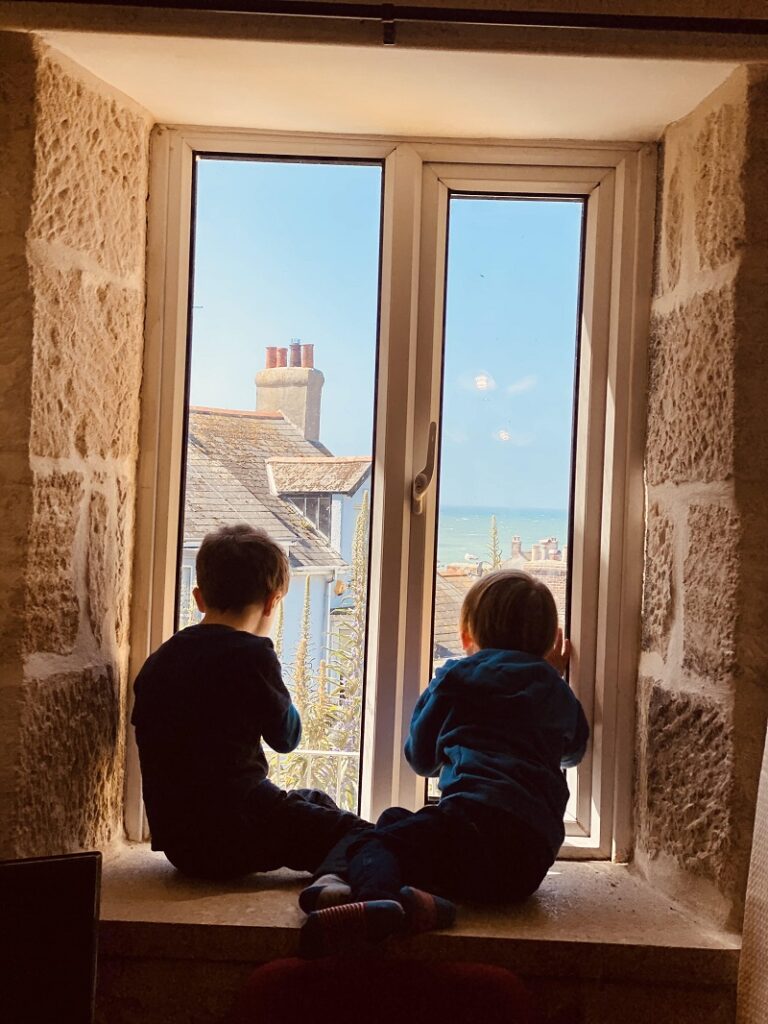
(423, 479)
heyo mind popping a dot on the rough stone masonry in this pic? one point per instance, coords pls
(703, 689)
(72, 251)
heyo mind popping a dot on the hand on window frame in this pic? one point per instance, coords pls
(560, 654)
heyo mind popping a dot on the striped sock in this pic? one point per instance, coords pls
(341, 929)
(425, 912)
(326, 891)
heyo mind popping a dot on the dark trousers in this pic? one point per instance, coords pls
(277, 828)
(459, 851)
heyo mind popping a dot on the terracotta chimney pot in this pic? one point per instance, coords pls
(282, 357)
(308, 355)
(271, 357)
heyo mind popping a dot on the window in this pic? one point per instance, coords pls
(430, 195)
(281, 435)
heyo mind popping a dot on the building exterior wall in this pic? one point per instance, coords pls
(703, 691)
(72, 302)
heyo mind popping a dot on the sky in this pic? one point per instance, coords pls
(291, 250)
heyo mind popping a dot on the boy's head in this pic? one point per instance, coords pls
(509, 609)
(239, 566)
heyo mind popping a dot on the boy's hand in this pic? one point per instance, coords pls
(560, 654)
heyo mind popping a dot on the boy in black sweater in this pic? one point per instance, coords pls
(203, 702)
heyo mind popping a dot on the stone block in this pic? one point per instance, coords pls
(685, 782)
(720, 215)
(52, 611)
(126, 498)
(658, 581)
(88, 344)
(17, 124)
(69, 775)
(756, 169)
(92, 196)
(15, 353)
(15, 511)
(108, 568)
(751, 370)
(710, 588)
(100, 565)
(672, 212)
(691, 391)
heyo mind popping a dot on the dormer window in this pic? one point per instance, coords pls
(316, 508)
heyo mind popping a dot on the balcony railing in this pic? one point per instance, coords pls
(336, 772)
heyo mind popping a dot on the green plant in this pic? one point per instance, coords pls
(495, 546)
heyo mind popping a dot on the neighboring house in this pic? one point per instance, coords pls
(451, 584)
(546, 562)
(270, 470)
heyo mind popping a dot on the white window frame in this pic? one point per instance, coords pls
(617, 182)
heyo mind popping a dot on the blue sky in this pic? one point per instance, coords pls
(290, 250)
(510, 330)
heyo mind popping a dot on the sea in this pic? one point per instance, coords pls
(464, 531)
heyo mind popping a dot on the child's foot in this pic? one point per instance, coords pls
(326, 891)
(425, 912)
(343, 928)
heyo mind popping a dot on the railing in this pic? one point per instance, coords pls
(336, 772)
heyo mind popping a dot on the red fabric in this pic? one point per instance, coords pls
(340, 990)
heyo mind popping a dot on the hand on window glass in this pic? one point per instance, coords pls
(560, 654)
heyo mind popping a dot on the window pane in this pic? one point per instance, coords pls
(280, 415)
(508, 398)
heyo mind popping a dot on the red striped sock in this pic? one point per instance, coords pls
(425, 912)
(339, 929)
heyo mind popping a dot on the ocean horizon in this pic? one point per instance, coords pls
(464, 531)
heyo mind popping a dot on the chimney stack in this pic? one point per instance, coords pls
(517, 546)
(295, 390)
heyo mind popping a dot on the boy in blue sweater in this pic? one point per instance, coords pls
(203, 703)
(498, 727)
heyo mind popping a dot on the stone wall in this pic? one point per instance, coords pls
(703, 691)
(72, 241)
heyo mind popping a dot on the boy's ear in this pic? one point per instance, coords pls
(469, 645)
(199, 601)
(270, 602)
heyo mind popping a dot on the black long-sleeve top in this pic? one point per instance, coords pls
(203, 702)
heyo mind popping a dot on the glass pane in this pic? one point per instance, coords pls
(508, 392)
(280, 421)
(511, 328)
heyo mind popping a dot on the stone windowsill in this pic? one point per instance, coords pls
(589, 920)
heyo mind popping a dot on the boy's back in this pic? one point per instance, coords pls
(204, 700)
(499, 726)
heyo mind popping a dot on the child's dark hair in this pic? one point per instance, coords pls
(239, 565)
(511, 610)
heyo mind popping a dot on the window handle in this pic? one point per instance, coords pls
(423, 479)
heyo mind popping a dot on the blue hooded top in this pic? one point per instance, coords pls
(499, 726)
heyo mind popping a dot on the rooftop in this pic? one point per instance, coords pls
(320, 474)
(227, 480)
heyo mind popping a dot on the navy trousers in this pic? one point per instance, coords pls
(457, 850)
